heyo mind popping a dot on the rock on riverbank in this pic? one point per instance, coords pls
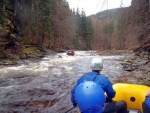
(135, 63)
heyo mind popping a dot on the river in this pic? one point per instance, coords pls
(44, 86)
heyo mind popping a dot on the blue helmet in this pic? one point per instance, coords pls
(90, 97)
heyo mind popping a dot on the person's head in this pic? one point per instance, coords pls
(97, 64)
(90, 97)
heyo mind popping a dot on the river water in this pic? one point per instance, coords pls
(44, 86)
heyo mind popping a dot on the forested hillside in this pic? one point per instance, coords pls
(29, 27)
(123, 28)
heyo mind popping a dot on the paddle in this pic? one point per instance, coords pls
(70, 109)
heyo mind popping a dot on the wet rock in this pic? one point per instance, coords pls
(13, 57)
(7, 63)
(23, 56)
(126, 63)
(129, 69)
(59, 56)
(112, 52)
(3, 55)
(50, 52)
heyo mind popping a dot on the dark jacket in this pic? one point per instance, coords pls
(147, 101)
(146, 105)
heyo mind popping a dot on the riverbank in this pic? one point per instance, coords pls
(135, 63)
(31, 53)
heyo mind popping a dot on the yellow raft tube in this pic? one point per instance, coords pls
(133, 94)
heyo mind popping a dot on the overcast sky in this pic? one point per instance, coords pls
(94, 6)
